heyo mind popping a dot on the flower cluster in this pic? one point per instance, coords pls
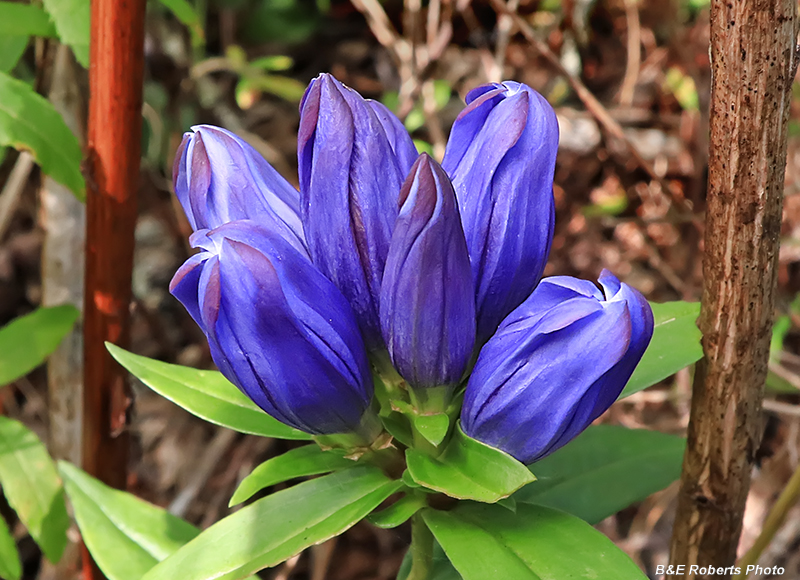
(385, 251)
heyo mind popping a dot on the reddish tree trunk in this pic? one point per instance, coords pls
(114, 149)
(752, 65)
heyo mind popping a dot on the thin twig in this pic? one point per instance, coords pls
(634, 54)
(781, 408)
(785, 374)
(775, 519)
(438, 138)
(12, 190)
(204, 468)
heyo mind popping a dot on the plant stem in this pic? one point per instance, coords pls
(772, 524)
(421, 549)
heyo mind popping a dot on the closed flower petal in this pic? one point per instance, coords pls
(501, 158)
(352, 161)
(555, 365)
(427, 299)
(219, 178)
(277, 328)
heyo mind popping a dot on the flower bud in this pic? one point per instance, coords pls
(352, 162)
(501, 157)
(277, 328)
(427, 299)
(555, 365)
(219, 178)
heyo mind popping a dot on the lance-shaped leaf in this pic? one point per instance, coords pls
(206, 394)
(604, 470)
(10, 566)
(26, 341)
(24, 20)
(28, 122)
(675, 345)
(72, 18)
(468, 469)
(275, 528)
(306, 460)
(536, 543)
(32, 487)
(427, 300)
(125, 535)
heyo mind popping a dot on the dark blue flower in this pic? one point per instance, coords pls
(219, 178)
(353, 157)
(501, 157)
(427, 303)
(556, 364)
(277, 328)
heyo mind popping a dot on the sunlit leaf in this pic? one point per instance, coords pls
(32, 487)
(28, 122)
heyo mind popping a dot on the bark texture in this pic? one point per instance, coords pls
(753, 63)
(63, 219)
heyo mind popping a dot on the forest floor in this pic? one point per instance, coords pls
(647, 64)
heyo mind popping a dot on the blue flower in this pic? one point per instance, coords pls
(556, 364)
(384, 250)
(353, 156)
(219, 178)
(427, 302)
(277, 328)
(501, 157)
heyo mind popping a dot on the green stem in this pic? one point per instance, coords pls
(421, 549)
(772, 524)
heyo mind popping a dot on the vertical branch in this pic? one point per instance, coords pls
(114, 134)
(63, 219)
(753, 64)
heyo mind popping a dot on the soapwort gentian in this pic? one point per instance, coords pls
(385, 253)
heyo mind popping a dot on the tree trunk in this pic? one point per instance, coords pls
(753, 64)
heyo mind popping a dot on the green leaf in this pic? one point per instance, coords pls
(24, 20)
(10, 566)
(72, 18)
(32, 487)
(306, 460)
(29, 122)
(188, 16)
(26, 342)
(433, 427)
(675, 345)
(206, 394)
(11, 50)
(604, 470)
(469, 469)
(272, 63)
(278, 85)
(538, 543)
(125, 535)
(399, 512)
(442, 569)
(276, 527)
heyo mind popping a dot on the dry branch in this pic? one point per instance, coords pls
(752, 61)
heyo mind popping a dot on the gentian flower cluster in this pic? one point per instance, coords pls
(386, 252)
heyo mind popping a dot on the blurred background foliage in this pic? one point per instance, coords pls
(243, 64)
